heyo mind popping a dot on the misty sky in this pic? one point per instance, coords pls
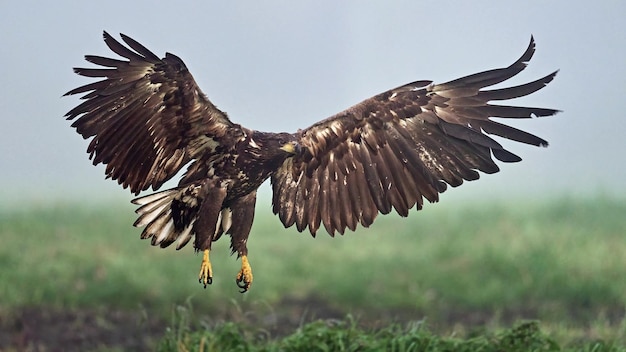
(283, 65)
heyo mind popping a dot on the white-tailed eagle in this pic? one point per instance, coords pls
(147, 118)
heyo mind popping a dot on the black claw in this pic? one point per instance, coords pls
(241, 283)
(208, 281)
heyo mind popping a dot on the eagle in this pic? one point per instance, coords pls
(147, 119)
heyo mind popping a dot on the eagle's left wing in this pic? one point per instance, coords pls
(394, 149)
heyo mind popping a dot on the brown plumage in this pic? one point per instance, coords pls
(147, 119)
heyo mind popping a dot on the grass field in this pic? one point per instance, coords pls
(76, 276)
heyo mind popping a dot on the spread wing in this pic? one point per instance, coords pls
(147, 116)
(394, 149)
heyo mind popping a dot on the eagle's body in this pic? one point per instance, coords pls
(148, 119)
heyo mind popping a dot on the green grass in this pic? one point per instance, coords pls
(562, 261)
(347, 335)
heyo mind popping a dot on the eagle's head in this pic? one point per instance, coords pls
(291, 147)
(274, 147)
(285, 144)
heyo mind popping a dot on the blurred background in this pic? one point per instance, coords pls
(542, 239)
(281, 65)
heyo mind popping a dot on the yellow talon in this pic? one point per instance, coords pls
(206, 273)
(244, 277)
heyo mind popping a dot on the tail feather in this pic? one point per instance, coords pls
(185, 236)
(152, 197)
(149, 214)
(155, 213)
(166, 234)
(155, 229)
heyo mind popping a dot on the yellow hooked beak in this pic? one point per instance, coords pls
(291, 147)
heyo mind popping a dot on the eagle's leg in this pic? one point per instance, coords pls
(206, 272)
(205, 227)
(244, 277)
(242, 215)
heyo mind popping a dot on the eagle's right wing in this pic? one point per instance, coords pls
(147, 117)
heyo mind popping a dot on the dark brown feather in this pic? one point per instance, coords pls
(242, 218)
(146, 116)
(404, 145)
